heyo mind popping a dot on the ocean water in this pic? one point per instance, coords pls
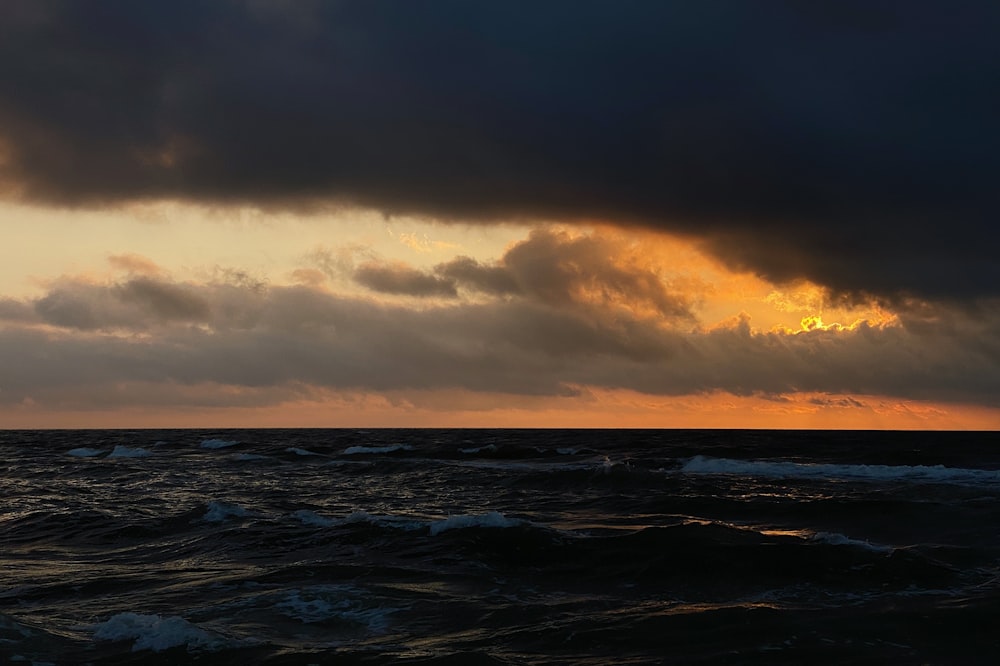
(498, 547)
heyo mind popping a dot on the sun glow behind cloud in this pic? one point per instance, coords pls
(402, 321)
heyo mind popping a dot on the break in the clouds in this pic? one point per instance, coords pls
(146, 338)
(853, 143)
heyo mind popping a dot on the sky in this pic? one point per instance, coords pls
(362, 213)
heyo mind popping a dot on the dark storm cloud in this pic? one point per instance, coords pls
(853, 143)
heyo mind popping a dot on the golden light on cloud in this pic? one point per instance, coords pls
(722, 297)
(399, 321)
(422, 242)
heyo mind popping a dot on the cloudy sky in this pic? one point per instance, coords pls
(451, 213)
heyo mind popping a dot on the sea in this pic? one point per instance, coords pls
(499, 547)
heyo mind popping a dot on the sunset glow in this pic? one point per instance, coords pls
(230, 244)
(637, 297)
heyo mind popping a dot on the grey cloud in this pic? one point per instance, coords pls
(556, 268)
(167, 301)
(474, 275)
(12, 310)
(282, 341)
(394, 279)
(78, 306)
(852, 143)
(142, 304)
(592, 272)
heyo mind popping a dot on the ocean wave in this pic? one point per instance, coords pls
(491, 519)
(217, 443)
(357, 450)
(307, 517)
(85, 452)
(155, 633)
(785, 469)
(592, 553)
(489, 448)
(248, 457)
(836, 539)
(300, 452)
(323, 604)
(220, 511)
(122, 451)
(394, 522)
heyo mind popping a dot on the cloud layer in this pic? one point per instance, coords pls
(851, 143)
(145, 338)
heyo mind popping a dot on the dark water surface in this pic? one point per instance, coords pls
(498, 547)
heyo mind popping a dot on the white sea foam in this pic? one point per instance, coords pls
(217, 443)
(354, 450)
(307, 517)
(84, 452)
(567, 451)
(220, 511)
(152, 632)
(783, 469)
(121, 451)
(491, 519)
(836, 539)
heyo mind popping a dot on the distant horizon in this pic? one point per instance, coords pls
(585, 428)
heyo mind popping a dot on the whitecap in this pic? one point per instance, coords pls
(220, 511)
(152, 632)
(491, 519)
(84, 452)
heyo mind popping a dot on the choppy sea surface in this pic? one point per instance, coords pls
(498, 547)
